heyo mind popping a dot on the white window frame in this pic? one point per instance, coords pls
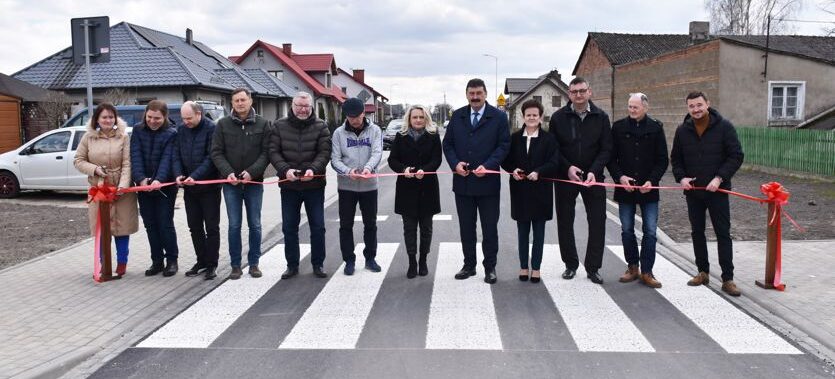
(801, 98)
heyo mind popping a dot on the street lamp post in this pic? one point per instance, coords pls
(497, 72)
(391, 100)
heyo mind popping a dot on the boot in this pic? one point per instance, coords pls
(121, 268)
(422, 269)
(631, 274)
(649, 279)
(412, 271)
(700, 279)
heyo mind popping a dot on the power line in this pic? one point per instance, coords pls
(808, 21)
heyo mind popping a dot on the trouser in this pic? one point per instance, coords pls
(524, 230)
(348, 201)
(594, 199)
(410, 226)
(236, 197)
(203, 217)
(314, 207)
(649, 223)
(157, 211)
(487, 208)
(720, 216)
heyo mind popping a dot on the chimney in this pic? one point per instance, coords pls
(359, 75)
(189, 37)
(287, 48)
(699, 31)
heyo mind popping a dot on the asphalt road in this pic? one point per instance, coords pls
(384, 325)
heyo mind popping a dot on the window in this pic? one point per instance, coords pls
(538, 98)
(345, 90)
(77, 139)
(277, 73)
(328, 83)
(53, 143)
(259, 53)
(555, 101)
(785, 100)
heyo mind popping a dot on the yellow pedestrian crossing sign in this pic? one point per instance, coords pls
(500, 101)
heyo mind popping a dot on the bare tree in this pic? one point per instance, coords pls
(118, 96)
(747, 17)
(828, 7)
(55, 108)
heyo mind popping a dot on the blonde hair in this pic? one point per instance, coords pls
(407, 125)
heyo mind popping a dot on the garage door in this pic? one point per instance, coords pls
(9, 125)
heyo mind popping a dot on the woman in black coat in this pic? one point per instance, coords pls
(533, 155)
(415, 150)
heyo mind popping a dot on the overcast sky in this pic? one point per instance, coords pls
(412, 51)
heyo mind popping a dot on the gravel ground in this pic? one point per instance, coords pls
(29, 231)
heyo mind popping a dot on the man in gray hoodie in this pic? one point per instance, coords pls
(357, 148)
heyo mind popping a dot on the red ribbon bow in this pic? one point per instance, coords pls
(102, 193)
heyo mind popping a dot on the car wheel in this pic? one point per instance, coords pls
(8, 185)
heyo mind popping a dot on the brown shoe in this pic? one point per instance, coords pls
(702, 278)
(729, 287)
(631, 274)
(254, 272)
(236, 273)
(649, 280)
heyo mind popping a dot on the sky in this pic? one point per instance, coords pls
(412, 51)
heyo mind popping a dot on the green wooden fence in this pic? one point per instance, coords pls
(811, 151)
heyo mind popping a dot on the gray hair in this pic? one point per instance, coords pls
(303, 95)
(641, 96)
(195, 107)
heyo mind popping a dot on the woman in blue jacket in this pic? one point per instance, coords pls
(151, 154)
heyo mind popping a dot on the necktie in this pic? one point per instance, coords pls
(475, 119)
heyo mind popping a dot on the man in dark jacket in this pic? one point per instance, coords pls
(639, 159)
(239, 151)
(585, 137)
(151, 150)
(299, 148)
(193, 161)
(707, 153)
(476, 140)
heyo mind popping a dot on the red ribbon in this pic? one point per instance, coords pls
(102, 193)
(778, 196)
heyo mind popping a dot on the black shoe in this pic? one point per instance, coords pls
(569, 274)
(523, 278)
(254, 271)
(465, 273)
(319, 272)
(289, 273)
(423, 270)
(155, 268)
(349, 268)
(535, 279)
(236, 273)
(411, 272)
(371, 265)
(595, 277)
(490, 276)
(170, 268)
(211, 273)
(195, 270)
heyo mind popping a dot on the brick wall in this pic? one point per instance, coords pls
(596, 69)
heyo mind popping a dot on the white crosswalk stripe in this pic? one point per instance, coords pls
(461, 314)
(594, 320)
(731, 328)
(337, 316)
(199, 325)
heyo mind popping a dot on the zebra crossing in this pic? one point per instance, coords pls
(463, 314)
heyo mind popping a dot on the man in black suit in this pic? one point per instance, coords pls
(477, 139)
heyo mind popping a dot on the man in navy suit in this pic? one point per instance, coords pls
(477, 139)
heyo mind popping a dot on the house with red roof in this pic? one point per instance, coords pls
(354, 85)
(312, 73)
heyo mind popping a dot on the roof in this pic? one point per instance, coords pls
(143, 57)
(10, 86)
(315, 62)
(819, 48)
(337, 92)
(350, 75)
(317, 88)
(544, 79)
(518, 85)
(621, 48)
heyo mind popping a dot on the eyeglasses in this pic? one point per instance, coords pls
(581, 91)
(302, 106)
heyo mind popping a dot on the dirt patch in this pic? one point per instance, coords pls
(29, 231)
(812, 205)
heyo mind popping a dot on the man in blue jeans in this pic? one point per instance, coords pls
(299, 149)
(639, 159)
(239, 151)
(356, 151)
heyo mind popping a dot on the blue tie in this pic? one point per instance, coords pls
(475, 119)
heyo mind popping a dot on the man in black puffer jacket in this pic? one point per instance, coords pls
(299, 149)
(193, 161)
(584, 134)
(707, 153)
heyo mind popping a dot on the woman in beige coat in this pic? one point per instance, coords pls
(104, 154)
